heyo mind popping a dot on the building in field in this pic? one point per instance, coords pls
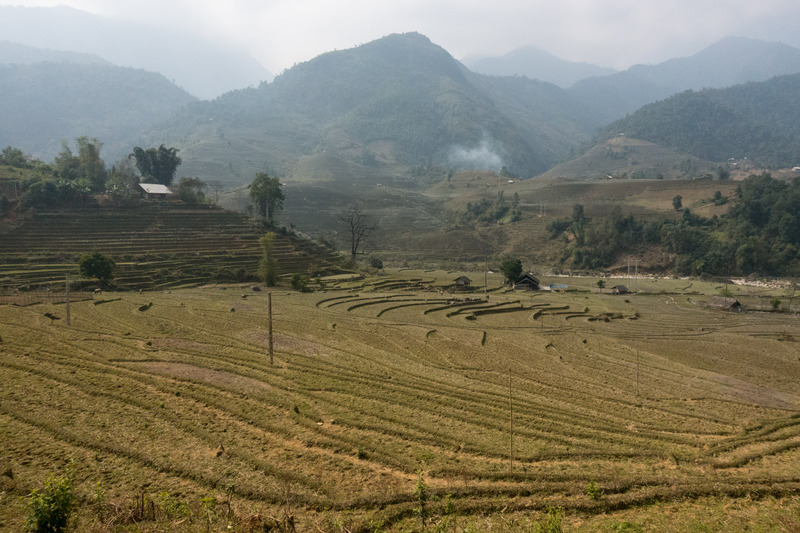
(726, 304)
(155, 191)
(462, 282)
(527, 282)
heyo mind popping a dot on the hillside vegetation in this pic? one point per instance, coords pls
(756, 121)
(45, 103)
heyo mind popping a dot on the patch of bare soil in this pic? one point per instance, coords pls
(181, 344)
(218, 378)
(285, 343)
(756, 394)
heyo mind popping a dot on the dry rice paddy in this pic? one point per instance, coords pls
(506, 407)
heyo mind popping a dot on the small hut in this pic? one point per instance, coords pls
(726, 304)
(462, 282)
(527, 282)
(619, 289)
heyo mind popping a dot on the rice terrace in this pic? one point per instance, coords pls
(391, 405)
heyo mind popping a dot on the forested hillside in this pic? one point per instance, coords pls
(760, 121)
(729, 62)
(44, 103)
(400, 100)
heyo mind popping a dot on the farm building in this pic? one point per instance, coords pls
(462, 282)
(619, 289)
(527, 282)
(155, 191)
(727, 304)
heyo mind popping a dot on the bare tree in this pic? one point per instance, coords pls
(357, 227)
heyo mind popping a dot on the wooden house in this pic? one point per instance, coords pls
(619, 289)
(726, 304)
(527, 282)
(462, 282)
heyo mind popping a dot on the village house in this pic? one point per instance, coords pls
(155, 191)
(527, 282)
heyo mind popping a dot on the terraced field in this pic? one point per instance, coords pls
(155, 247)
(505, 407)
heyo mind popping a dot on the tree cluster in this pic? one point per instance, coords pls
(760, 234)
(75, 174)
(492, 212)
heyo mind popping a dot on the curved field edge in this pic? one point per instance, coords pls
(504, 413)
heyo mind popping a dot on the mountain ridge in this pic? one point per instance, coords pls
(535, 63)
(202, 68)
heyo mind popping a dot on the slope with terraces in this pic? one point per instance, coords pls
(154, 246)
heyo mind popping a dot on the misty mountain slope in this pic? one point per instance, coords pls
(202, 67)
(536, 64)
(760, 121)
(729, 62)
(44, 103)
(400, 100)
(20, 54)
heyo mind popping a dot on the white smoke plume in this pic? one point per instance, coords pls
(484, 156)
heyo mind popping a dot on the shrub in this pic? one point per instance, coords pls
(96, 265)
(775, 302)
(300, 282)
(376, 262)
(593, 491)
(49, 509)
(551, 523)
(421, 495)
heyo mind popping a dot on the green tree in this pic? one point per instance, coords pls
(579, 221)
(67, 165)
(190, 190)
(123, 175)
(601, 284)
(14, 157)
(267, 194)
(96, 265)
(86, 168)
(511, 268)
(268, 266)
(677, 202)
(92, 168)
(157, 164)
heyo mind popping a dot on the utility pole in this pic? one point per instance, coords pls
(269, 307)
(628, 286)
(66, 295)
(511, 422)
(486, 278)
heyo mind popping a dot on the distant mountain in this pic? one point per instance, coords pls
(729, 62)
(203, 68)
(20, 54)
(536, 64)
(397, 101)
(760, 121)
(44, 103)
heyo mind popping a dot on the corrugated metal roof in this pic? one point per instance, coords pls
(155, 188)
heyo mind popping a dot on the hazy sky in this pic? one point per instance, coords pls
(612, 33)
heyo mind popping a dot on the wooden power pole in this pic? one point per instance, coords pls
(269, 307)
(66, 297)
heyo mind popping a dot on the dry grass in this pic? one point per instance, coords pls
(667, 402)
